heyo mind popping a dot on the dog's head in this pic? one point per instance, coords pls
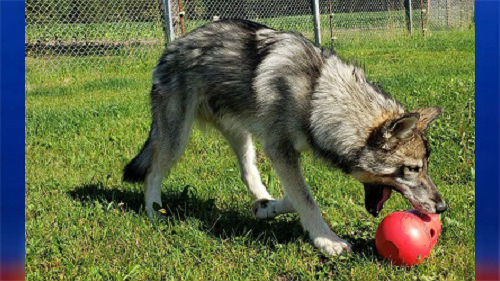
(396, 157)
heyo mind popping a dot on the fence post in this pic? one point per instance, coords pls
(168, 21)
(181, 16)
(409, 18)
(422, 16)
(317, 32)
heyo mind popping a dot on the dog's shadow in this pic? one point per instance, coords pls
(222, 224)
(179, 206)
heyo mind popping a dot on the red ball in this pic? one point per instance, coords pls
(403, 238)
(433, 223)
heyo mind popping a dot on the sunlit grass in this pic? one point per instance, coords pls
(83, 223)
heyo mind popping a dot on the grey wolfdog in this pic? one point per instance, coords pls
(249, 80)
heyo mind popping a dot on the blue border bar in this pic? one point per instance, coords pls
(12, 140)
(487, 142)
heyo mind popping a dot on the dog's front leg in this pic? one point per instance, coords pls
(287, 167)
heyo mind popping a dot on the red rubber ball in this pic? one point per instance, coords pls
(403, 239)
(433, 223)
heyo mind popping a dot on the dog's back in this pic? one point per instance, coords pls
(239, 68)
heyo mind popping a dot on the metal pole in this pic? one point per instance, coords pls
(168, 21)
(317, 32)
(409, 15)
(422, 16)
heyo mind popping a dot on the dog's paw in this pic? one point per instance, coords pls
(265, 208)
(332, 246)
(158, 214)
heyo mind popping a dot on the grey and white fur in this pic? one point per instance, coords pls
(248, 80)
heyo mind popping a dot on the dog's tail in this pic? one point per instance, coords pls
(136, 170)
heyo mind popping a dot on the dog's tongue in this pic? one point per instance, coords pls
(385, 195)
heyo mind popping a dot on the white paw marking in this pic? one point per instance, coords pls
(265, 208)
(332, 246)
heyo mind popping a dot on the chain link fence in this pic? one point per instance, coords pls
(292, 15)
(89, 33)
(59, 31)
(343, 20)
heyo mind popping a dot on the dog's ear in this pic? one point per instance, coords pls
(402, 127)
(394, 131)
(427, 115)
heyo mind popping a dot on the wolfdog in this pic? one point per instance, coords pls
(248, 80)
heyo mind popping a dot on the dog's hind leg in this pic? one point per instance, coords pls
(173, 115)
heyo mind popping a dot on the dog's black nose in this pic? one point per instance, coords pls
(440, 207)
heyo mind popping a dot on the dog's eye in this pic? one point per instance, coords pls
(411, 169)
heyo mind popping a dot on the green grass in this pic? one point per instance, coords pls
(83, 223)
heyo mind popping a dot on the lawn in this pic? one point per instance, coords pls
(84, 122)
